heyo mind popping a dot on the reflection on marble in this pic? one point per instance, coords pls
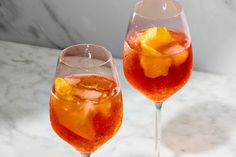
(59, 23)
(197, 122)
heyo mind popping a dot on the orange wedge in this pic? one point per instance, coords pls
(155, 37)
(155, 66)
(63, 89)
(62, 86)
(153, 63)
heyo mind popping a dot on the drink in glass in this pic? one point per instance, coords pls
(157, 55)
(85, 100)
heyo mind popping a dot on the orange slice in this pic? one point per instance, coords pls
(155, 66)
(63, 89)
(149, 51)
(62, 86)
(155, 37)
(153, 63)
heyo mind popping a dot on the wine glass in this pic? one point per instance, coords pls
(157, 55)
(85, 101)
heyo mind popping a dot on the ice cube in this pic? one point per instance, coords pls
(173, 49)
(87, 131)
(87, 107)
(79, 120)
(97, 83)
(105, 84)
(77, 123)
(86, 94)
(179, 37)
(73, 81)
(134, 39)
(178, 53)
(104, 107)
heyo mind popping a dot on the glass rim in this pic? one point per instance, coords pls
(180, 11)
(85, 67)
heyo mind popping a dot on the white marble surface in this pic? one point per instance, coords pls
(199, 121)
(59, 23)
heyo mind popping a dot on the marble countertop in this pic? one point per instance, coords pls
(199, 121)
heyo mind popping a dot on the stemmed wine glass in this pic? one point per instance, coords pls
(85, 100)
(157, 55)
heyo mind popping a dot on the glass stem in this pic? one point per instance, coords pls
(86, 155)
(158, 129)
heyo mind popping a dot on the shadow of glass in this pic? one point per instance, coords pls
(200, 128)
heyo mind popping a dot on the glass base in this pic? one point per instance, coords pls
(86, 155)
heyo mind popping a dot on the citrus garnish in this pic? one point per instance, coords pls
(155, 66)
(153, 62)
(155, 37)
(63, 89)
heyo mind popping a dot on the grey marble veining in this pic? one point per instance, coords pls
(59, 23)
(231, 4)
(197, 122)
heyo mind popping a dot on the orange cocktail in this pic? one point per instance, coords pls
(157, 61)
(85, 110)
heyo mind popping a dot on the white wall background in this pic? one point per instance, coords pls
(59, 23)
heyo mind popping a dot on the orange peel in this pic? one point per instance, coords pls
(153, 63)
